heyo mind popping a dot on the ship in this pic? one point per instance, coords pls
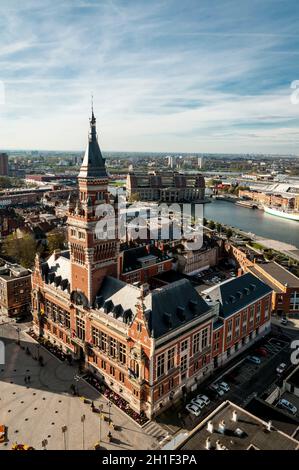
(286, 214)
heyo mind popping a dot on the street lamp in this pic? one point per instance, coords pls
(100, 423)
(18, 330)
(109, 409)
(77, 378)
(44, 444)
(83, 437)
(64, 430)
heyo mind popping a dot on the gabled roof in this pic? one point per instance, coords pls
(93, 165)
(235, 294)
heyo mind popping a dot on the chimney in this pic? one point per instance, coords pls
(144, 289)
(235, 416)
(269, 426)
(222, 427)
(210, 427)
(208, 443)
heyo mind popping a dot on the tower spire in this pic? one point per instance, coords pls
(93, 165)
(93, 119)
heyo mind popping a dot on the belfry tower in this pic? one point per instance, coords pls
(93, 253)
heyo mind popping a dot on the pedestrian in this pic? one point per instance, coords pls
(29, 378)
(25, 379)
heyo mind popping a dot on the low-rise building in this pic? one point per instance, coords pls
(230, 427)
(244, 315)
(284, 285)
(15, 290)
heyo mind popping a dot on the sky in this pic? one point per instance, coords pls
(166, 75)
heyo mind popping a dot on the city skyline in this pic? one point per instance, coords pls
(165, 77)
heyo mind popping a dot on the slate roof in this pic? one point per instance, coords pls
(172, 306)
(235, 294)
(166, 308)
(58, 271)
(93, 165)
(118, 299)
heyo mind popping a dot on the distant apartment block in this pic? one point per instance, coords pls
(3, 164)
(169, 187)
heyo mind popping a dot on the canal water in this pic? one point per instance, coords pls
(253, 220)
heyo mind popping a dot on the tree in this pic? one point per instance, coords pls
(56, 240)
(229, 233)
(218, 227)
(211, 224)
(21, 249)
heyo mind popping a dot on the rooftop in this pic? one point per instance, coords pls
(235, 294)
(280, 419)
(265, 279)
(233, 428)
(279, 273)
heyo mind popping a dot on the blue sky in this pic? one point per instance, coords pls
(170, 76)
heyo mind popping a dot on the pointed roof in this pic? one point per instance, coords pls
(93, 165)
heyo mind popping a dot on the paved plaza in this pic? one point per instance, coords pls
(38, 410)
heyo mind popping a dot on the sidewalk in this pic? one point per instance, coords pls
(38, 410)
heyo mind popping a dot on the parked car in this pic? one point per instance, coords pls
(262, 352)
(287, 405)
(204, 398)
(218, 391)
(281, 368)
(198, 402)
(193, 409)
(284, 321)
(224, 386)
(254, 359)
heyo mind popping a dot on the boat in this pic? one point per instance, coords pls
(248, 204)
(290, 215)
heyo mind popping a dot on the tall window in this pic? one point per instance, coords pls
(251, 315)
(244, 322)
(113, 347)
(184, 345)
(267, 308)
(184, 363)
(80, 324)
(205, 338)
(196, 342)
(294, 301)
(160, 365)
(258, 312)
(122, 353)
(237, 326)
(170, 358)
(95, 332)
(229, 330)
(67, 320)
(103, 342)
